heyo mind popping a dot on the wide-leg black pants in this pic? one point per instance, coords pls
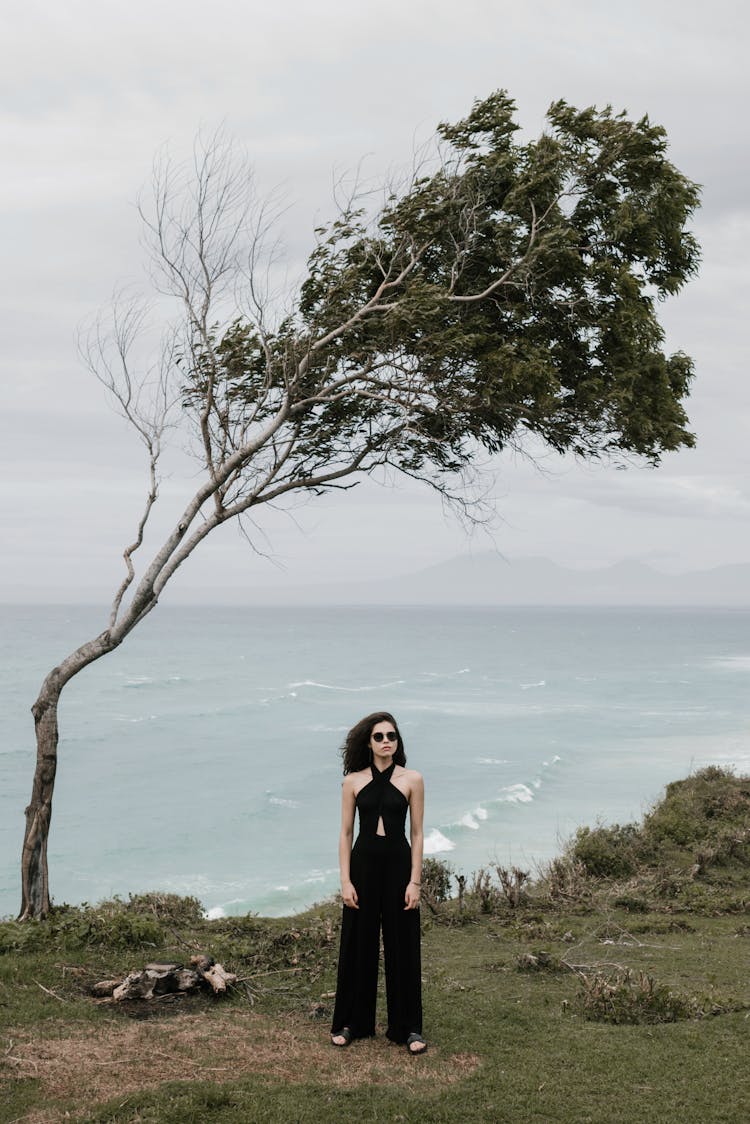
(380, 870)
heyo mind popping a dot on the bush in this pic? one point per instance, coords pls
(483, 892)
(697, 808)
(436, 880)
(110, 924)
(632, 997)
(607, 852)
(170, 908)
(564, 880)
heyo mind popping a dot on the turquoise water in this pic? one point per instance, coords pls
(202, 756)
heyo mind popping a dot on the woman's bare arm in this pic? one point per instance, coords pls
(416, 821)
(348, 805)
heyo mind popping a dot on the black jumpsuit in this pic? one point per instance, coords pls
(380, 871)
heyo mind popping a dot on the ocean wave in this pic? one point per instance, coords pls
(214, 913)
(529, 686)
(445, 674)
(351, 690)
(491, 761)
(283, 802)
(153, 681)
(516, 794)
(470, 819)
(436, 843)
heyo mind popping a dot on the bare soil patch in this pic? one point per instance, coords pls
(93, 1064)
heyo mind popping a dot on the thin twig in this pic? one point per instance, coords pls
(48, 992)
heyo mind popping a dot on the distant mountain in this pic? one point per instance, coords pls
(487, 578)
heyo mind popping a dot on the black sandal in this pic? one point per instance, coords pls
(416, 1038)
(344, 1033)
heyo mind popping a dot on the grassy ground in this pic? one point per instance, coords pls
(595, 998)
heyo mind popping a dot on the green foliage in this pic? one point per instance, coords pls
(111, 924)
(171, 909)
(564, 880)
(631, 997)
(607, 852)
(700, 807)
(509, 291)
(691, 850)
(436, 879)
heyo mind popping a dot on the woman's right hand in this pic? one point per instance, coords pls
(349, 895)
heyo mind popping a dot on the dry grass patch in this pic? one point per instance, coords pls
(92, 1065)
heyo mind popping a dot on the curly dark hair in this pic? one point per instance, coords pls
(356, 749)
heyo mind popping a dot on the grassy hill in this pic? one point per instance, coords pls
(612, 988)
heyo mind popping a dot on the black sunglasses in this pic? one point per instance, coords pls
(390, 736)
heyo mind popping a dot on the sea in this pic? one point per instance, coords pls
(203, 756)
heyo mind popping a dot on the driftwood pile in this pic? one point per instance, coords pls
(156, 980)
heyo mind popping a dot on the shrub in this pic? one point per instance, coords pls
(564, 879)
(631, 997)
(483, 891)
(607, 852)
(170, 908)
(436, 880)
(512, 883)
(109, 924)
(696, 808)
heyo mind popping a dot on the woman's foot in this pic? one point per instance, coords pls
(416, 1044)
(342, 1037)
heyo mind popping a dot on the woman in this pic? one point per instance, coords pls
(380, 882)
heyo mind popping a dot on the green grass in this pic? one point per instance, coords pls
(637, 1008)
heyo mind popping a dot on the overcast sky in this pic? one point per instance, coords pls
(90, 92)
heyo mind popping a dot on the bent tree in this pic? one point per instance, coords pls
(506, 295)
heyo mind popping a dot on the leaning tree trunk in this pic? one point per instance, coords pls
(35, 899)
(34, 879)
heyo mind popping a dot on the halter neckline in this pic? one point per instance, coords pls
(385, 774)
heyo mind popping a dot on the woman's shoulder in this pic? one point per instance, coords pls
(411, 775)
(352, 780)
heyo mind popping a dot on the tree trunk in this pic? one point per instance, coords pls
(35, 899)
(34, 879)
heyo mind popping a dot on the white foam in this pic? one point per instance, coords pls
(435, 842)
(352, 690)
(528, 686)
(282, 802)
(490, 761)
(214, 913)
(469, 821)
(446, 674)
(282, 889)
(481, 813)
(516, 794)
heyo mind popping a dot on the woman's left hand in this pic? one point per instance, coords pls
(411, 897)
